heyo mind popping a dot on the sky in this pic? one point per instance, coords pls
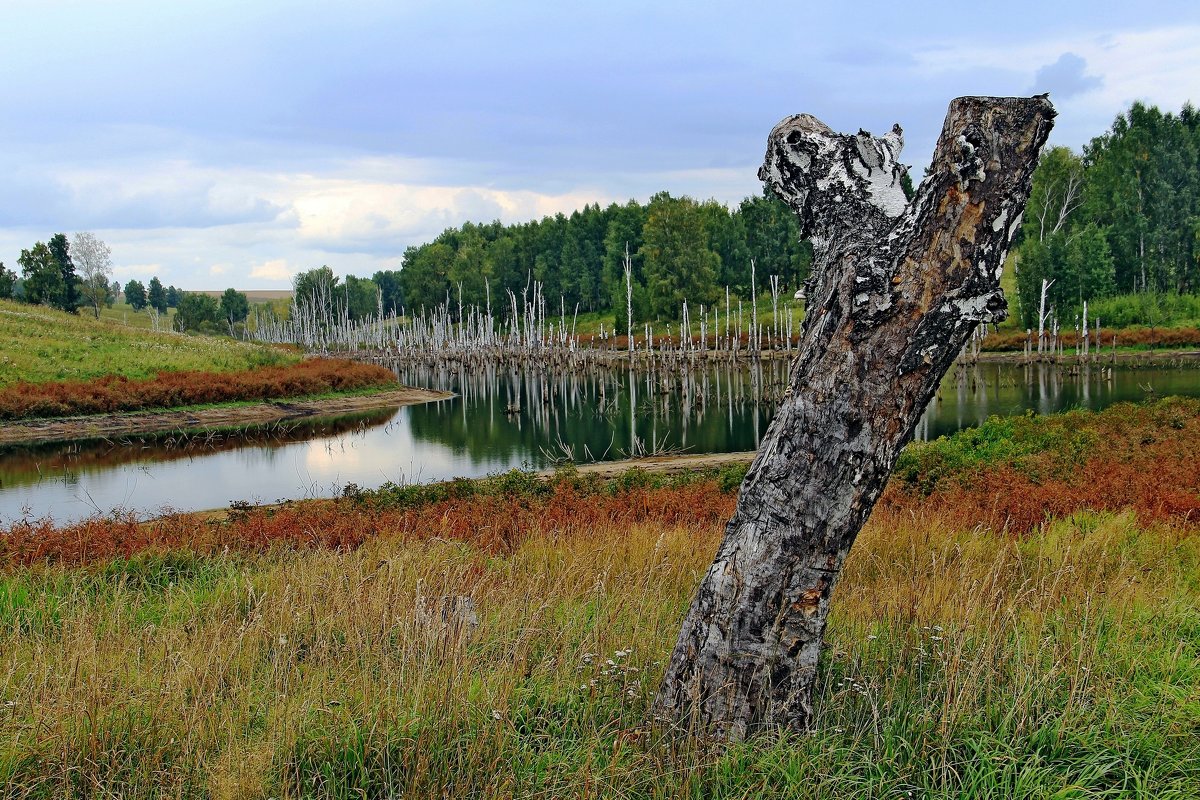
(218, 144)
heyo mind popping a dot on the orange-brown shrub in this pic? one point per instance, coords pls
(1141, 457)
(172, 389)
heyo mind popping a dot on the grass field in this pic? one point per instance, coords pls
(123, 314)
(38, 344)
(299, 651)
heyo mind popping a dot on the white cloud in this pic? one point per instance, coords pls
(218, 269)
(138, 271)
(275, 270)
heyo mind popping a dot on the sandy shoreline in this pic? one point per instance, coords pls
(107, 425)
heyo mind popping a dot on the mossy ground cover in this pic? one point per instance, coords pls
(301, 651)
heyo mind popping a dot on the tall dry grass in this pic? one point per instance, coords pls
(960, 663)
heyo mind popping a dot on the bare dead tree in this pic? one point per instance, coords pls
(897, 289)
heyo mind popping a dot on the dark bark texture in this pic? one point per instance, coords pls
(897, 289)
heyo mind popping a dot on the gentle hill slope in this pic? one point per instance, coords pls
(38, 344)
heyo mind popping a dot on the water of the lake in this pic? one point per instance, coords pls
(500, 419)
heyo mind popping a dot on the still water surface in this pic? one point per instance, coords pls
(500, 419)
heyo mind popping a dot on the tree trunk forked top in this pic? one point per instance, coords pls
(897, 289)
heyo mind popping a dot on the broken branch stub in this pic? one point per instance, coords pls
(897, 289)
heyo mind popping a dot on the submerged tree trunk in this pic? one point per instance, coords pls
(896, 290)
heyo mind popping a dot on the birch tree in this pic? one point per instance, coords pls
(93, 263)
(897, 288)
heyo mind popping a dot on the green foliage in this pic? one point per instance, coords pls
(234, 306)
(198, 312)
(173, 296)
(1123, 217)
(677, 260)
(1143, 189)
(773, 239)
(1149, 309)
(8, 280)
(1079, 264)
(690, 249)
(425, 278)
(67, 298)
(156, 296)
(135, 295)
(43, 277)
(391, 295)
(317, 289)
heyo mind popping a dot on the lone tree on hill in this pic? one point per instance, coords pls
(93, 259)
(896, 290)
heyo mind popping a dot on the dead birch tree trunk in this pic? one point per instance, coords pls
(897, 288)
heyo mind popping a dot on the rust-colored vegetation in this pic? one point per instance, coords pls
(116, 393)
(1013, 474)
(1014, 341)
(495, 514)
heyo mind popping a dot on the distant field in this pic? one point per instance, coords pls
(38, 344)
(256, 295)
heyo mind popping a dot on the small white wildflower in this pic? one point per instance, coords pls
(282, 641)
(496, 715)
(872, 638)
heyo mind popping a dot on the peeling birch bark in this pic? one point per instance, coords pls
(896, 291)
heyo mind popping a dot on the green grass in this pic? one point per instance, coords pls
(1008, 441)
(38, 344)
(1148, 309)
(123, 314)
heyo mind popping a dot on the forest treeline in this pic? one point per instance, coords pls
(1120, 218)
(679, 248)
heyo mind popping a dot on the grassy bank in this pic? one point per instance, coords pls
(115, 393)
(40, 344)
(300, 651)
(54, 364)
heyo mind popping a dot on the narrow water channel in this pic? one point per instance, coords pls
(500, 418)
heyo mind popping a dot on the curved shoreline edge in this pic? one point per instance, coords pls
(105, 425)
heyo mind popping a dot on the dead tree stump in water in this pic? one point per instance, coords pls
(897, 288)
